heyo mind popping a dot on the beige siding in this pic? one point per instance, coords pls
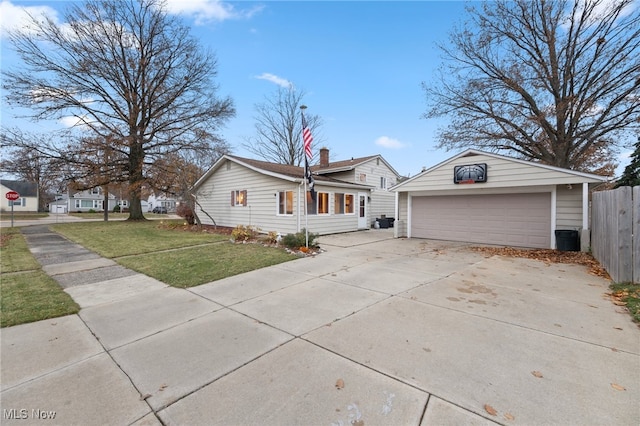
(261, 210)
(382, 200)
(501, 173)
(569, 207)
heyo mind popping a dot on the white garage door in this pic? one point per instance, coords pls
(520, 220)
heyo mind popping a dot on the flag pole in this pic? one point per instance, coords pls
(306, 211)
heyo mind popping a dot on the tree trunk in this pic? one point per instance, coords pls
(105, 202)
(136, 179)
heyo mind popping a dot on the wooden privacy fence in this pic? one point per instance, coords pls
(615, 232)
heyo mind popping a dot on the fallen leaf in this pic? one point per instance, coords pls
(509, 416)
(537, 374)
(618, 387)
(618, 328)
(145, 396)
(162, 387)
(358, 423)
(339, 384)
(489, 409)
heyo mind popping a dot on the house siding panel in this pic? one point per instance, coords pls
(569, 207)
(262, 203)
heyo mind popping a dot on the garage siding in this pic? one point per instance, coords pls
(520, 220)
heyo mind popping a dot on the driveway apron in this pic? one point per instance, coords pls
(374, 330)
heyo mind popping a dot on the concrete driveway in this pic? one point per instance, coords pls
(375, 330)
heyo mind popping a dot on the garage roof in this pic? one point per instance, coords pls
(502, 171)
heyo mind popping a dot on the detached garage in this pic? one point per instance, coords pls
(485, 198)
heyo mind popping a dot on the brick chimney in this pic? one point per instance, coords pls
(324, 157)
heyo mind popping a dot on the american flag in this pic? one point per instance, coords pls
(306, 137)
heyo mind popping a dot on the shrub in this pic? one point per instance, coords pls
(116, 209)
(92, 211)
(244, 233)
(297, 240)
(272, 237)
(185, 211)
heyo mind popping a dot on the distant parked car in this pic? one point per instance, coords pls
(160, 210)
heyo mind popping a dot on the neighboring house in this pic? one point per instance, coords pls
(161, 200)
(242, 191)
(91, 199)
(29, 196)
(486, 198)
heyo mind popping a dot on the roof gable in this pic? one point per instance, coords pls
(279, 171)
(345, 165)
(503, 171)
(24, 188)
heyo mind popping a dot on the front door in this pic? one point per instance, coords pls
(362, 210)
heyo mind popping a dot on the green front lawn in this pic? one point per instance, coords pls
(627, 294)
(198, 265)
(27, 294)
(115, 239)
(168, 252)
(32, 296)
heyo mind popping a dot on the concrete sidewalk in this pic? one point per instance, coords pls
(375, 330)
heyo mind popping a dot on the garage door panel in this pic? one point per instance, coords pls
(522, 220)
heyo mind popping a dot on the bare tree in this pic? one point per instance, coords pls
(128, 72)
(279, 128)
(30, 165)
(554, 81)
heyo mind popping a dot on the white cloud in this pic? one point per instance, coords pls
(387, 142)
(275, 79)
(204, 11)
(73, 121)
(14, 17)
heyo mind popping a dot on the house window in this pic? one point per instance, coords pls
(239, 198)
(95, 191)
(97, 204)
(338, 203)
(19, 202)
(322, 199)
(311, 203)
(285, 202)
(383, 182)
(348, 204)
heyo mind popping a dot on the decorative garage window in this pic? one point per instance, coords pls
(239, 198)
(343, 203)
(362, 177)
(285, 202)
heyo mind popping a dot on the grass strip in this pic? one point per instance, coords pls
(14, 252)
(115, 239)
(32, 296)
(199, 265)
(627, 294)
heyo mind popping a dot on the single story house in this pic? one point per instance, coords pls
(242, 191)
(486, 198)
(82, 201)
(29, 196)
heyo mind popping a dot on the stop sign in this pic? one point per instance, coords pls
(12, 195)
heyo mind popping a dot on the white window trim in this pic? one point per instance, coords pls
(285, 203)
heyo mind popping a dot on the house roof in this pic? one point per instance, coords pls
(281, 171)
(345, 165)
(25, 189)
(472, 152)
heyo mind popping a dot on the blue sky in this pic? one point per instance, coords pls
(360, 63)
